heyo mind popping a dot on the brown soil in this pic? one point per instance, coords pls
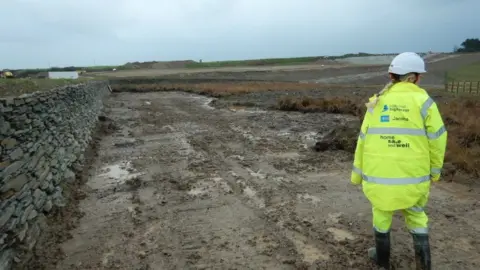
(182, 185)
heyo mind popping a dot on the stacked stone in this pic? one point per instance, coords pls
(42, 135)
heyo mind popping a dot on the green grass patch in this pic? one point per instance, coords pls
(273, 61)
(255, 62)
(98, 68)
(17, 87)
(469, 73)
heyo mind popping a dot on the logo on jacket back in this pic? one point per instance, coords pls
(384, 118)
(395, 108)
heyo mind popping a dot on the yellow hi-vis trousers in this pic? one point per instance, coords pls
(415, 218)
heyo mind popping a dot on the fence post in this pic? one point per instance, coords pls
(478, 87)
(458, 86)
(470, 90)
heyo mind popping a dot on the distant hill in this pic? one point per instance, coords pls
(156, 64)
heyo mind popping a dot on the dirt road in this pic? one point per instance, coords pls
(182, 185)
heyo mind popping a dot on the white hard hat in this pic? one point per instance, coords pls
(407, 62)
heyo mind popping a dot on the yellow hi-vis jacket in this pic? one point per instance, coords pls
(400, 149)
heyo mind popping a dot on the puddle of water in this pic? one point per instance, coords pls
(310, 252)
(198, 191)
(310, 198)
(283, 134)
(184, 147)
(247, 135)
(280, 179)
(309, 139)
(340, 234)
(205, 187)
(252, 194)
(238, 157)
(107, 257)
(258, 174)
(234, 174)
(204, 101)
(249, 192)
(206, 104)
(236, 108)
(112, 175)
(244, 109)
(334, 217)
(167, 128)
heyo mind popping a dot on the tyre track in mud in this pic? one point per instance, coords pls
(182, 185)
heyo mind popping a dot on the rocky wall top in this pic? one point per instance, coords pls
(42, 135)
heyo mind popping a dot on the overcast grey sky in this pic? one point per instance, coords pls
(39, 33)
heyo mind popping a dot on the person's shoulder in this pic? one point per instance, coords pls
(415, 90)
(372, 97)
(419, 89)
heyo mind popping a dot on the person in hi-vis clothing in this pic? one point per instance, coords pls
(400, 151)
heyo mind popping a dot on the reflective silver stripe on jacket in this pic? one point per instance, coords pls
(436, 170)
(419, 231)
(391, 181)
(437, 134)
(406, 131)
(426, 105)
(416, 209)
(424, 112)
(357, 170)
(380, 231)
(397, 180)
(397, 131)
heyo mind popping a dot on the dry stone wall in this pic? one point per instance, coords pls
(42, 136)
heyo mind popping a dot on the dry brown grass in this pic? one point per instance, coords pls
(230, 88)
(460, 114)
(463, 125)
(344, 105)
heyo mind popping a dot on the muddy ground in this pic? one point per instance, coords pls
(184, 185)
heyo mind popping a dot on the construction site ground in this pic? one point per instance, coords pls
(183, 181)
(182, 185)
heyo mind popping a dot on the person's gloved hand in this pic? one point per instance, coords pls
(435, 177)
(356, 179)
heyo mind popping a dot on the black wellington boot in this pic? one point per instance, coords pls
(422, 251)
(381, 252)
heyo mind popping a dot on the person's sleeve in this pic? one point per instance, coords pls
(356, 177)
(437, 137)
